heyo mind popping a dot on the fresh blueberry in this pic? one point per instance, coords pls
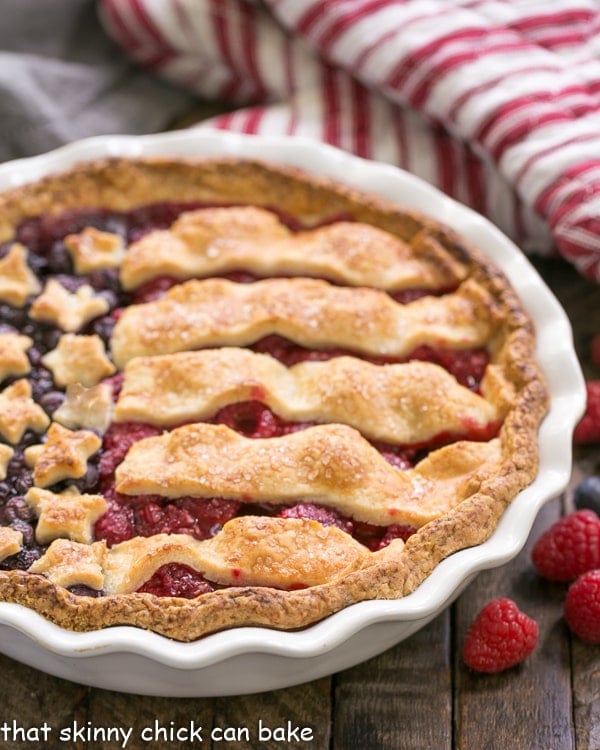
(51, 401)
(14, 316)
(59, 260)
(587, 494)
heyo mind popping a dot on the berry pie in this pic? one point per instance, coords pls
(234, 394)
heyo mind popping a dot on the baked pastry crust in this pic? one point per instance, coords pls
(483, 310)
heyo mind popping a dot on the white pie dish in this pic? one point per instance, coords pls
(249, 660)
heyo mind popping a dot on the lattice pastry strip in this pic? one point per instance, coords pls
(332, 465)
(249, 551)
(312, 313)
(212, 241)
(382, 402)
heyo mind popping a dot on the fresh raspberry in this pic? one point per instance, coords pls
(588, 428)
(570, 547)
(499, 637)
(582, 607)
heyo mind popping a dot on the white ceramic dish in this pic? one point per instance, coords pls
(248, 660)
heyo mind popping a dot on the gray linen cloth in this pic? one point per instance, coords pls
(61, 79)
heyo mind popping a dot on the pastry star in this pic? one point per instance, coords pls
(66, 310)
(13, 360)
(17, 280)
(64, 455)
(19, 412)
(6, 453)
(68, 514)
(86, 407)
(68, 563)
(93, 250)
(78, 359)
(11, 541)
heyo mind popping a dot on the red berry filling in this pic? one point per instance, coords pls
(466, 365)
(325, 516)
(153, 290)
(177, 580)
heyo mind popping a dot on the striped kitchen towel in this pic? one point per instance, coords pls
(496, 102)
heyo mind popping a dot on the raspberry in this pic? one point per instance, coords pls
(588, 428)
(587, 494)
(250, 418)
(396, 531)
(325, 516)
(153, 290)
(569, 547)
(499, 637)
(175, 579)
(582, 607)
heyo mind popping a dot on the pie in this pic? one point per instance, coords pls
(235, 394)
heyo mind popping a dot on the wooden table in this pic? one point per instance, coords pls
(416, 695)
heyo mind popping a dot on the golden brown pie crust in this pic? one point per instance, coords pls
(513, 379)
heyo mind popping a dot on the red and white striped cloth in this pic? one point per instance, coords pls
(496, 102)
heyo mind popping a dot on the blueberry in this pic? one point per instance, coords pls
(41, 381)
(23, 481)
(18, 507)
(587, 494)
(103, 327)
(37, 263)
(107, 279)
(59, 260)
(51, 401)
(88, 482)
(14, 316)
(26, 529)
(80, 589)
(69, 282)
(22, 560)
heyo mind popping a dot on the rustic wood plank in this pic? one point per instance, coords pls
(400, 699)
(303, 707)
(31, 699)
(586, 695)
(585, 659)
(528, 706)
(154, 722)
